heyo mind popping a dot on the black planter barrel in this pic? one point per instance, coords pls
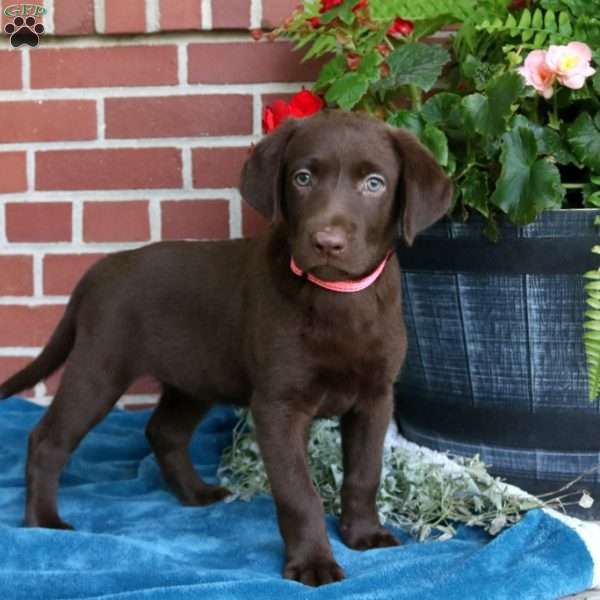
(496, 364)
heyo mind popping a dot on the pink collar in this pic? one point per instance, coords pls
(350, 286)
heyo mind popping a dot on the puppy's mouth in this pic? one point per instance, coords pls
(329, 272)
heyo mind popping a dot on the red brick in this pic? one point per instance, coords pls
(63, 271)
(251, 62)
(17, 275)
(9, 365)
(195, 219)
(110, 169)
(275, 11)
(10, 67)
(29, 326)
(218, 167)
(178, 116)
(116, 221)
(145, 385)
(13, 167)
(125, 17)
(73, 17)
(47, 120)
(232, 14)
(180, 15)
(103, 67)
(252, 223)
(38, 221)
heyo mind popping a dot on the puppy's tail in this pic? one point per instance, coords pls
(53, 355)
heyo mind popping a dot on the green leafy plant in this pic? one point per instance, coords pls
(427, 494)
(495, 99)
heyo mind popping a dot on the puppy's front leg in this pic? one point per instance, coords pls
(281, 432)
(363, 432)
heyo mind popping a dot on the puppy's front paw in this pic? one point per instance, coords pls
(363, 538)
(203, 496)
(315, 572)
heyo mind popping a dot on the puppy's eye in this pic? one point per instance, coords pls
(303, 178)
(374, 184)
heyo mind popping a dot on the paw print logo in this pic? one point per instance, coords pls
(24, 31)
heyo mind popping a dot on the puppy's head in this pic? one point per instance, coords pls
(345, 185)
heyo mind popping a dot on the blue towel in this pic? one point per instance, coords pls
(135, 541)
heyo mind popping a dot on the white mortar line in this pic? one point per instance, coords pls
(186, 169)
(256, 14)
(257, 111)
(135, 144)
(99, 19)
(144, 39)
(30, 168)
(101, 119)
(157, 91)
(38, 275)
(77, 221)
(235, 215)
(152, 16)
(33, 302)
(182, 64)
(206, 13)
(123, 195)
(155, 219)
(18, 352)
(3, 240)
(49, 17)
(25, 71)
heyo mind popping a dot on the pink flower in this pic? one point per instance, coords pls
(538, 74)
(571, 64)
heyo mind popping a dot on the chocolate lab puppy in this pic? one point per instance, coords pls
(256, 323)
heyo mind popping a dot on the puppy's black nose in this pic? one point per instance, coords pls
(329, 241)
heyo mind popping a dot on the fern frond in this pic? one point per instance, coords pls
(591, 336)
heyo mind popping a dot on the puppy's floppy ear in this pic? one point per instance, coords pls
(425, 190)
(262, 185)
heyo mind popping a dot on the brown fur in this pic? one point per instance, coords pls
(228, 321)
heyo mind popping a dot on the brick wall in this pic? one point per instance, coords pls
(128, 124)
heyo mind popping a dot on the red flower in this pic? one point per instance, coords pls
(314, 21)
(303, 104)
(359, 5)
(274, 115)
(353, 61)
(329, 4)
(401, 28)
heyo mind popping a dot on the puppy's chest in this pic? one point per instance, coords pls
(348, 362)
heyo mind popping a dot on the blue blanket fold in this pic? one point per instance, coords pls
(135, 541)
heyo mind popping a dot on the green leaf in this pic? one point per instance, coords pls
(488, 115)
(564, 24)
(415, 64)
(527, 185)
(406, 119)
(436, 140)
(596, 81)
(584, 138)
(475, 191)
(369, 66)
(537, 21)
(549, 141)
(383, 10)
(331, 72)
(347, 91)
(343, 12)
(525, 21)
(550, 21)
(443, 110)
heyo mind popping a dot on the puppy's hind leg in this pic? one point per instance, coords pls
(84, 398)
(169, 432)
